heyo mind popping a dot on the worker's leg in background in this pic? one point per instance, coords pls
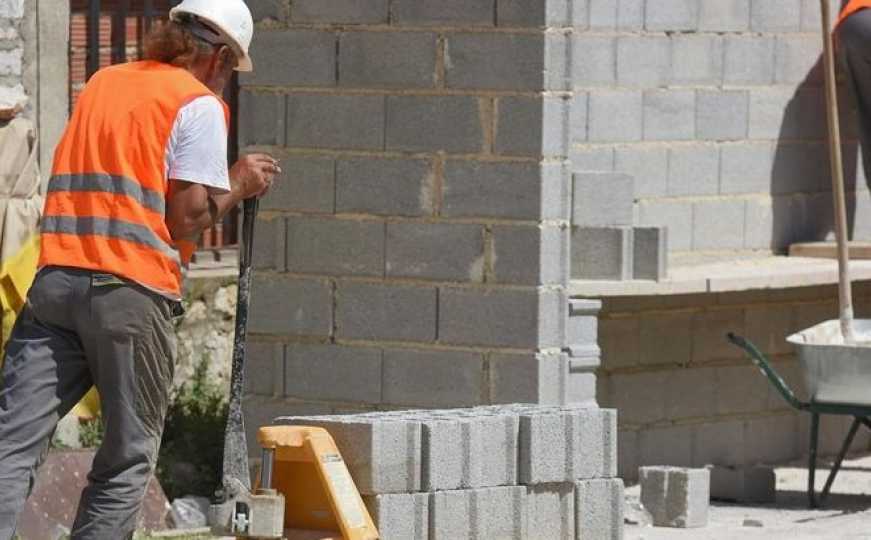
(130, 344)
(44, 375)
(854, 45)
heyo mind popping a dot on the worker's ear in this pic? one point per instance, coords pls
(227, 58)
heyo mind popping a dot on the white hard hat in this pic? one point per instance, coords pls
(231, 18)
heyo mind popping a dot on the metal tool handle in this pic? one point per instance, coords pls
(235, 465)
(845, 287)
(762, 363)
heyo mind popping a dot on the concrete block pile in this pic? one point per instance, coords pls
(495, 472)
(605, 243)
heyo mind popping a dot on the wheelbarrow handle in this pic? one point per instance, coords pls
(763, 364)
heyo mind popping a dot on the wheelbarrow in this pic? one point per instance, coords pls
(839, 383)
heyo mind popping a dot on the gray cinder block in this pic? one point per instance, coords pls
(288, 306)
(520, 13)
(594, 60)
(393, 187)
(748, 60)
(722, 115)
(375, 59)
(776, 16)
(532, 126)
(382, 454)
(445, 450)
(676, 497)
(693, 170)
(263, 122)
(602, 199)
(503, 61)
(714, 224)
(529, 378)
(453, 124)
(583, 326)
(292, 58)
(530, 255)
(602, 253)
(526, 191)
(433, 378)
(797, 59)
(267, 9)
(508, 318)
(615, 115)
(269, 244)
(305, 185)
(562, 445)
(335, 247)
(672, 15)
(497, 513)
(385, 312)
(264, 369)
(551, 511)
(724, 15)
(444, 13)
(333, 121)
(697, 59)
(643, 61)
(445, 251)
(339, 11)
(599, 509)
(648, 165)
(743, 484)
(668, 115)
(312, 370)
(402, 516)
(650, 259)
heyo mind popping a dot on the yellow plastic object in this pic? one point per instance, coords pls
(322, 501)
(16, 276)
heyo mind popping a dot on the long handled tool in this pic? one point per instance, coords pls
(235, 467)
(237, 510)
(845, 287)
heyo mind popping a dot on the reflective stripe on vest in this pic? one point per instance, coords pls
(117, 185)
(110, 228)
(106, 203)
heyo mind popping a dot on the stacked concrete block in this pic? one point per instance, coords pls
(423, 219)
(676, 497)
(513, 472)
(671, 85)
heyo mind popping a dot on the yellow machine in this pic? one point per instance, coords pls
(303, 468)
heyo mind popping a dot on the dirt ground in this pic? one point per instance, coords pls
(846, 515)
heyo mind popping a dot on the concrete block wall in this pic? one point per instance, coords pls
(415, 250)
(512, 472)
(11, 43)
(688, 398)
(716, 108)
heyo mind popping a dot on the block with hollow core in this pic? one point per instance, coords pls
(676, 497)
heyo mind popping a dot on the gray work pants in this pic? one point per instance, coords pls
(854, 46)
(81, 329)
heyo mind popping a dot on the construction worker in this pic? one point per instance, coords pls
(140, 171)
(854, 46)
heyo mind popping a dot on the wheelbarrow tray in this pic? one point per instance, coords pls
(836, 372)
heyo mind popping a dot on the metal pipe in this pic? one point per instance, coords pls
(266, 466)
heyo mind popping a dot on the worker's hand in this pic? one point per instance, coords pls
(254, 174)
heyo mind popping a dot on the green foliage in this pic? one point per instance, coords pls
(191, 453)
(91, 433)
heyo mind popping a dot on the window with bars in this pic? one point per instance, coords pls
(105, 32)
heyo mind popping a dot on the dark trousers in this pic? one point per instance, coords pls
(81, 329)
(854, 47)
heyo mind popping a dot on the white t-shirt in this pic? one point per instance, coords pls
(197, 148)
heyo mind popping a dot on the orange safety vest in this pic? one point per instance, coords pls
(852, 7)
(106, 204)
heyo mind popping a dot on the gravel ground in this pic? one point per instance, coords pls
(846, 515)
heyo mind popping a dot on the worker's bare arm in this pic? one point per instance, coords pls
(191, 207)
